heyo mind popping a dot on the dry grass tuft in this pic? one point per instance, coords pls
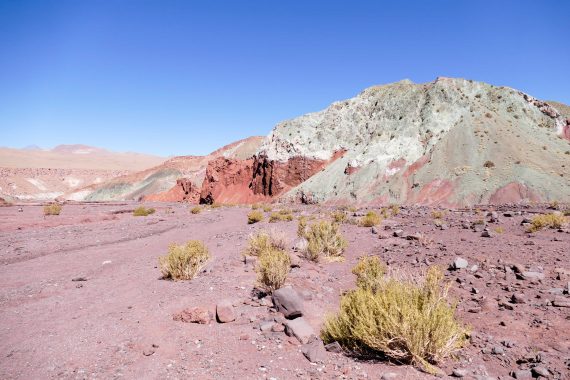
(284, 215)
(437, 214)
(324, 239)
(267, 208)
(196, 210)
(552, 220)
(264, 241)
(370, 219)
(369, 273)
(272, 269)
(254, 217)
(409, 320)
(142, 211)
(339, 216)
(183, 262)
(52, 209)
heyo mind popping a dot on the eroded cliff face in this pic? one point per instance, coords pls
(183, 191)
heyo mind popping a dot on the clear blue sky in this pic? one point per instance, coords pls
(185, 77)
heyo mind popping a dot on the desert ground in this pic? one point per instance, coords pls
(81, 294)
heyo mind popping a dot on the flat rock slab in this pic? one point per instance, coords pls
(300, 329)
(315, 351)
(225, 311)
(288, 302)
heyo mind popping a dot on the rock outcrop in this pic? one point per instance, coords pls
(183, 191)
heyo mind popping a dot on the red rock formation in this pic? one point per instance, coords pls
(513, 192)
(183, 191)
(256, 179)
(566, 130)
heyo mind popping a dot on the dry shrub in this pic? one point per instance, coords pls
(552, 220)
(302, 227)
(284, 215)
(255, 206)
(369, 272)
(196, 210)
(437, 214)
(254, 217)
(339, 216)
(142, 211)
(370, 219)
(264, 241)
(395, 209)
(499, 230)
(272, 268)
(324, 240)
(266, 208)
(406, 319)
(52, 209)
(183, 262)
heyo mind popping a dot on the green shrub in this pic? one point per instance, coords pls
(254, 217)
(264, 241)
(183, 262)
(324, 239)
(409, 320)
(196, 210)
(142, 211)
(370, 219)
(272, 269)
(369, 272)
(552, 220)
(52, 209)
(281, 216)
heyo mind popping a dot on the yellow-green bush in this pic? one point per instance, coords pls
(196, 210)
(272, 269)
(369, 272)
(281, 216)
(409, 320)
(264, 241)
(324, 239)
(52, 209)
(302, 226)
(142, 211)
(395, 209)
(183, 262)
(370, 219)
(266, 208)
(255, 206)
(436, 214)
(338, 216)
(254, 217)
(552, 220)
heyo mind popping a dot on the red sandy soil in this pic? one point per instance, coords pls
(119, 322)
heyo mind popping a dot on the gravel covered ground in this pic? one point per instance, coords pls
(81, 295)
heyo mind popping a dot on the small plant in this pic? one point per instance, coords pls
(395, 209)
(267, 208)
(183, 262)
(324, 240)
(281, 216)
(272, 269)
(302, 227)
(370, 219)
(216, 205)
(255, 206)
(142, 211)
(552, 220)
(339, 216)
(499, 230)
(254, 217)
(369, 272)
(52, 209)
(196, 210)
(264, 241)
(436, 214)
(489, 164)
(407, 319)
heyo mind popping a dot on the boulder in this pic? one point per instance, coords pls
(288, 302)
(315, 351)
(300, 329)
(225, 311)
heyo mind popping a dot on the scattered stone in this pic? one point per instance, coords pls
(518, 298)
(561, 302)
(540, 371)
(398, 233)
(459, 372)
(497, 350)
(530, 276)
(522, 374)
(459, 263)
(314, 351)
(389, 376)
(79, 279)
(193, 315)
(151, 350)
(300, 329)
(295, 261)
(486, 234)
(288, 302)
(374, 230)
(266, 326)
(334, 347)
(278, 327)
(225, 311)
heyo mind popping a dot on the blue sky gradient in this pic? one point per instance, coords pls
(182, 77)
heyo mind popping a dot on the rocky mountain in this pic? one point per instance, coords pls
(177, 179)
(33, 173)
(451, 142)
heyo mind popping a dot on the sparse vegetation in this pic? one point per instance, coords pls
(264, 241)
(267, 208)
(254, 217)
(302, 227)
(273, 268)
(338, 216)
(499, 230)
(407, 319)
(183, 262)
(369, 272)
(255, 206)
(552, 220)
(324, 240)
(196, 210)
(284, 215)
(395, 209)
(143, 211)
(370, 219)
(437, 214)
(52, 209)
